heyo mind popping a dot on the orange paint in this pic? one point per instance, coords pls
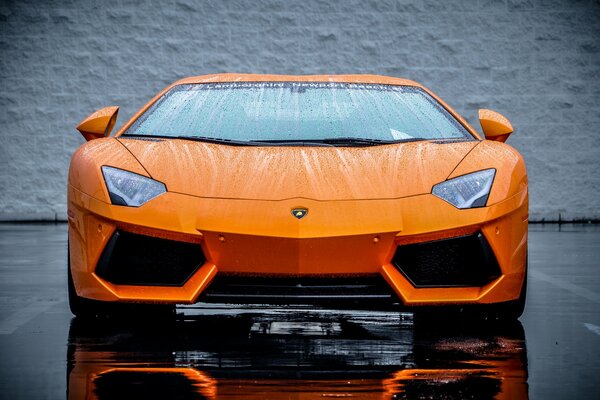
(99, 124)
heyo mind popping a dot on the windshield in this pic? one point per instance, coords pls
(276, 112)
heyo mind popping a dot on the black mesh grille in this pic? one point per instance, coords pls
(299, 290)
(462, 261)
(131, 259)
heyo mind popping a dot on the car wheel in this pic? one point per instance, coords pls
(80, 306)
(514, 309)
(87, 308)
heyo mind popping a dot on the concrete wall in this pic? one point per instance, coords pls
(536, 61)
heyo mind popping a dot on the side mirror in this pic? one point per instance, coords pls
(495, 125)
(98, 124)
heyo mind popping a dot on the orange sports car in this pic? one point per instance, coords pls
(340, 190)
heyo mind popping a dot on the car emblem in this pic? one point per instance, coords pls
(299, 212)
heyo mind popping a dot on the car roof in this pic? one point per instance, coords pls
(233, 77)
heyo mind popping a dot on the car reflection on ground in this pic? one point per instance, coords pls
(295, 353)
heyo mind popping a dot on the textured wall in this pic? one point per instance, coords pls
(536, 61)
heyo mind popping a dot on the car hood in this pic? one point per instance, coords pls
(278, 173)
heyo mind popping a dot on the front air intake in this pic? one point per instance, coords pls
(132, 259)
(371, 290)
(464, 261)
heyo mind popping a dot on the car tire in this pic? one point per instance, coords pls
(80, 307)
(88, 308)
(514, 309)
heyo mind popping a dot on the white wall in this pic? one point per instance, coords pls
(536, 61)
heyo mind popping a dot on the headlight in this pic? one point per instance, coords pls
(128, 189)
(467, 191)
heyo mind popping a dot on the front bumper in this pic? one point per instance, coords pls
(337, 240)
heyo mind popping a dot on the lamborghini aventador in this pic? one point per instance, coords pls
(357, 191)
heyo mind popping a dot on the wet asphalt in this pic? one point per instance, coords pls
(208, 352)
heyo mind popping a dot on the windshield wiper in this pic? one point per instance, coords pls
(335, 141)
(206, 139)
(291, 142)
(231, 142)
(357, 141)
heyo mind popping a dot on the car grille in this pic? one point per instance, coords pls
(354, 291)
(132, 259)
(457, 262)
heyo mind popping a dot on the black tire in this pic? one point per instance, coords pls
(80, 306)
(87, 308)
(514, 309)
(510, 310)
(75, 302)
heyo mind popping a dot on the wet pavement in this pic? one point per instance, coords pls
(299, 353)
